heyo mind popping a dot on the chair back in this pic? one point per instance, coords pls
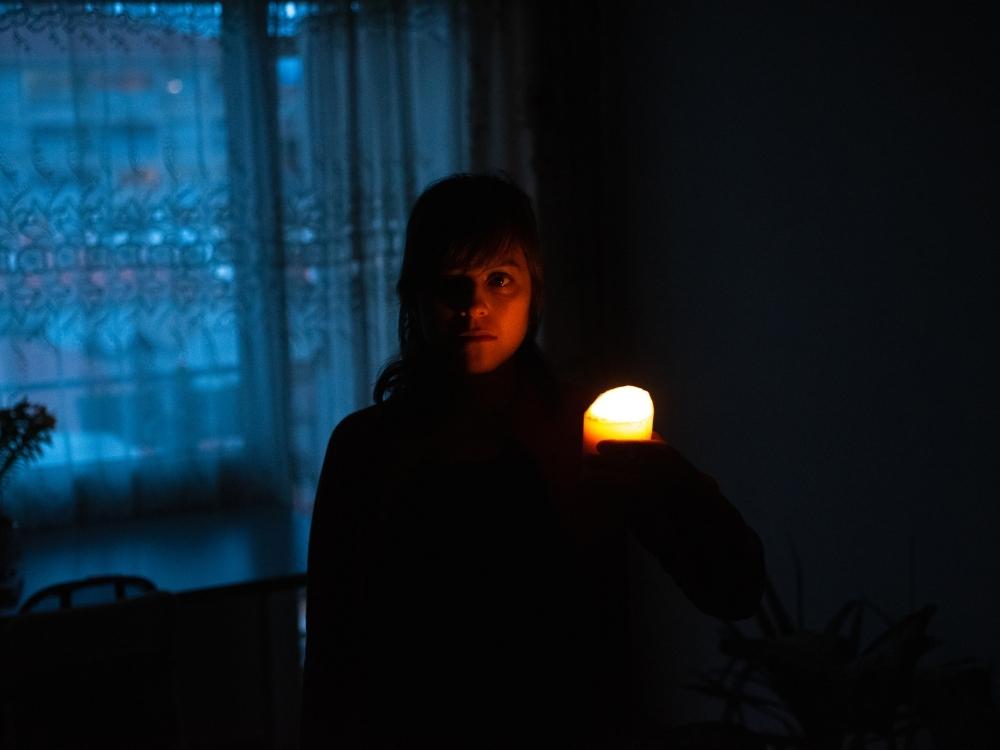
(87, 591)
(90, 675)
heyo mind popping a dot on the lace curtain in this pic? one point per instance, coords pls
(202, 209)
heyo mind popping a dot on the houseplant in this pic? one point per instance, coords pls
(791, 687)
(24, 429)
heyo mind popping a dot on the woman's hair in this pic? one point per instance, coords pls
(461, 221)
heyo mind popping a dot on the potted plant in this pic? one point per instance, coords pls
(24, 429)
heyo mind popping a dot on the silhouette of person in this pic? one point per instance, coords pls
(466, 582)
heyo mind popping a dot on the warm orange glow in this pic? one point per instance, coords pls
(624, 413)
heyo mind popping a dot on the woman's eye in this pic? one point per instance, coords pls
(499, 280)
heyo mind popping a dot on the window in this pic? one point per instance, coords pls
(202, 210)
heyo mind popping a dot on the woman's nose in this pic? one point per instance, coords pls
(464, 296)
(477, 303)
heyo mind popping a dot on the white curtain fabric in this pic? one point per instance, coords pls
(202, 211)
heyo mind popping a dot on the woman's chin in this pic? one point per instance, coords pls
(478, 360)
(479, 368)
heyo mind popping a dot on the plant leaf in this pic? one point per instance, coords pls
(783, 621)
(797, 564)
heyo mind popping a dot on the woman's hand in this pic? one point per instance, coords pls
(654, 469)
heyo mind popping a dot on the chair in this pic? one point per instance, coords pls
(87, 591)
(90, 674)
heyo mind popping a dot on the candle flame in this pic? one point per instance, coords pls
(624, 404)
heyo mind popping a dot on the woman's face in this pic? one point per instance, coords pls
(479, 316)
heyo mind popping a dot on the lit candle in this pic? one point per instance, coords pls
(624, 413)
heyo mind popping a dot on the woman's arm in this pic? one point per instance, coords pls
(681, 517)
(332, 710)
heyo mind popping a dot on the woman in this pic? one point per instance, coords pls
(466, 566)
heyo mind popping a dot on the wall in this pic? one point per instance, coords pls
(807, 249)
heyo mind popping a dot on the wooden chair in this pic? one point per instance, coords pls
(89, 675)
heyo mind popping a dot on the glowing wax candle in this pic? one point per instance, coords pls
(624, 413)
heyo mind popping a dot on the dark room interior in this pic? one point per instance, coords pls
(774, 217)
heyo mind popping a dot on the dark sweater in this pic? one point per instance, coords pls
(467, 582)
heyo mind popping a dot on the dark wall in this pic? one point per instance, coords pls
(807, 242)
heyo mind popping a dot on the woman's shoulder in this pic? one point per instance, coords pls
(379, 423)
(576, 394)
(557, 388)
(358, 429)
(360, 444)
(573, 393)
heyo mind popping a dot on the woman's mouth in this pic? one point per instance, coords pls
(469, 337)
